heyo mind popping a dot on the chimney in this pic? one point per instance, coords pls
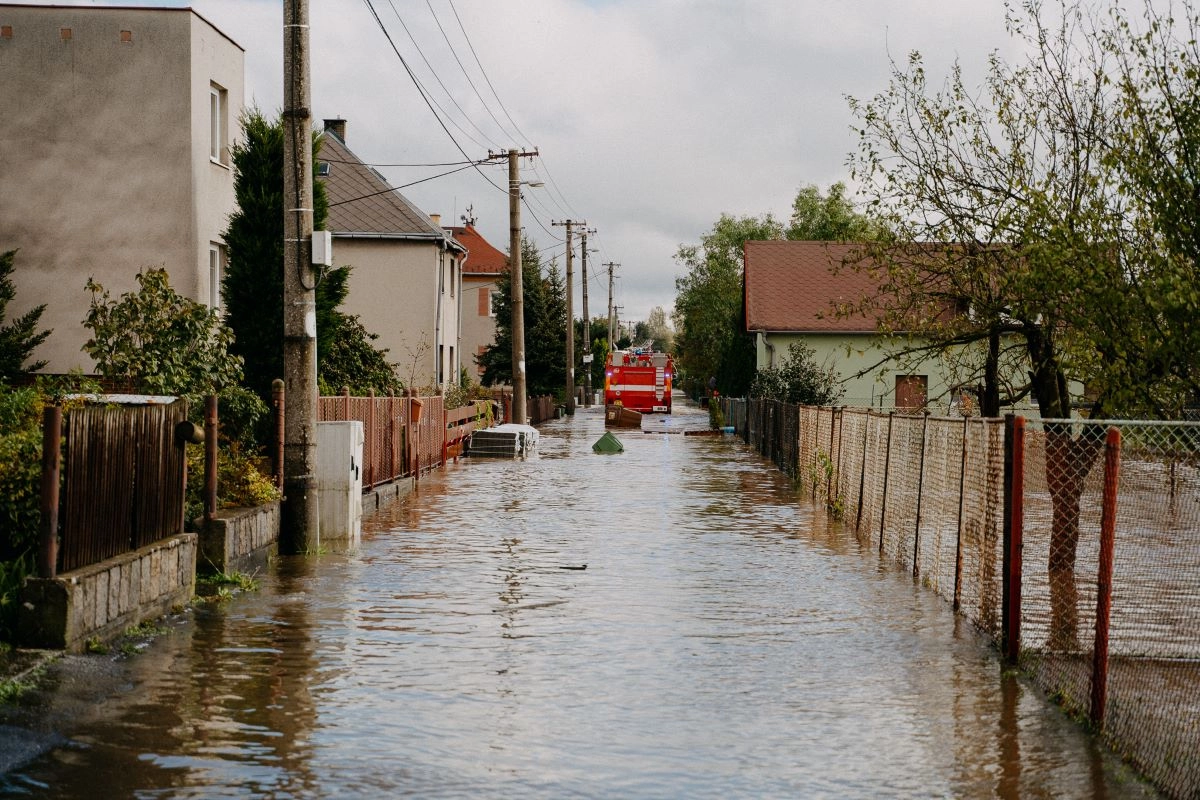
(437, 220)
(337, 127)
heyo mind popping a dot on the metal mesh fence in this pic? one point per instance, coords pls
(1114, 632)
(1106, 520)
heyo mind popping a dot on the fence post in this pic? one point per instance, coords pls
(862, 474)
(1014, 523)
(47, 566)
(962, 496)
(277, 448)
(833, 420)
(369, 476)
(1108, 524)
(393, 460)
(210, 458)
(916, 569)
(887, 468)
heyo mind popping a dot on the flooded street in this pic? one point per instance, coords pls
(670, 621)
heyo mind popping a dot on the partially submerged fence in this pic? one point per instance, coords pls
(1009, 526)
(123, 482)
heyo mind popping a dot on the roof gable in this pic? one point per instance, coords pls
(362, 202)
(795, 286)
(482, 257)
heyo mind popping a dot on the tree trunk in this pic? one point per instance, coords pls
(989, 403)
(1069, 459)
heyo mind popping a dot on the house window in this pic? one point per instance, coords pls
(218, 117)
(5, 31)
(493, 299)
(911, 392)
(216, 269)
(127, 37)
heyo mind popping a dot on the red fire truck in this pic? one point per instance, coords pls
(639, 379)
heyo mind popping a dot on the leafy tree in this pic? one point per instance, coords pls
(19, 338)
(710, 331)
(656, 331)
(160, 341)
(830, 218)
(799, 379)
(252, 288)
(544, 301)
(352, 362)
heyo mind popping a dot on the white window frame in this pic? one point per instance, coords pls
(216, 269)
(493, 295)
(218, 124)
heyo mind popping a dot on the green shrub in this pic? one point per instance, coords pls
(242, 481)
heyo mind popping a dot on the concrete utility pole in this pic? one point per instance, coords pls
(300, 515)
(517, 290)
(570, 314)
(612, 342)
(587, 321)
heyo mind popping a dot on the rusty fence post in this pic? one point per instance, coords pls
(916, 566)
(1014, 525)
(887, 468)
(277, 446)
(1108, 525)
(210, 457)
(47, 566)
(370, 478)
(962, 497)
(862, 474)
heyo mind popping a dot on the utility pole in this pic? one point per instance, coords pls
(514, 269)
(612, 341)
(587, 321)
(570, 314)
(300, 526)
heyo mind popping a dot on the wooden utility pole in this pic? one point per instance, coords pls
(570, 314)
(587, 321)
(300, 515)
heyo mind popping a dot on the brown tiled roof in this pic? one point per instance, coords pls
(375, 208)
(482, 258)
(794, 286)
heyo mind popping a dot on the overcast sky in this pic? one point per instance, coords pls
(652, 117)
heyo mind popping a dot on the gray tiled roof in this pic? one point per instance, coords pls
(375, 208)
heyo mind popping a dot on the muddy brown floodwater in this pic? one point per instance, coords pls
(724, 640)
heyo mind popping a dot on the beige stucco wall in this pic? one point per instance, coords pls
(850, 354)
(106, 156)
(398, 288)
(478, 330)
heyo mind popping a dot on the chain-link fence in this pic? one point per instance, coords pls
(1095, 525)
(1110, 611)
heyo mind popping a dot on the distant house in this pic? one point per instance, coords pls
(406, 277)
(115, 126)
(483, 265)
(791, 292)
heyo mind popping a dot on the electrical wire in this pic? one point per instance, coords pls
(402, 186)
(424, 95)
(483, 72)
(435, 164)
(457, 60)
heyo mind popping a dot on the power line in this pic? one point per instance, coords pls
(437, 78)
(434, 164)
(424, 94)
(483, 72)
(458, 61)
(402, 186)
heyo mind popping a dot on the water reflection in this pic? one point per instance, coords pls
(725, 640)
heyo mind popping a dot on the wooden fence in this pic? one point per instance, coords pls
(123, 480)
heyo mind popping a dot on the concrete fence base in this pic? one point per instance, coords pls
(102, 600)
(240, 539)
